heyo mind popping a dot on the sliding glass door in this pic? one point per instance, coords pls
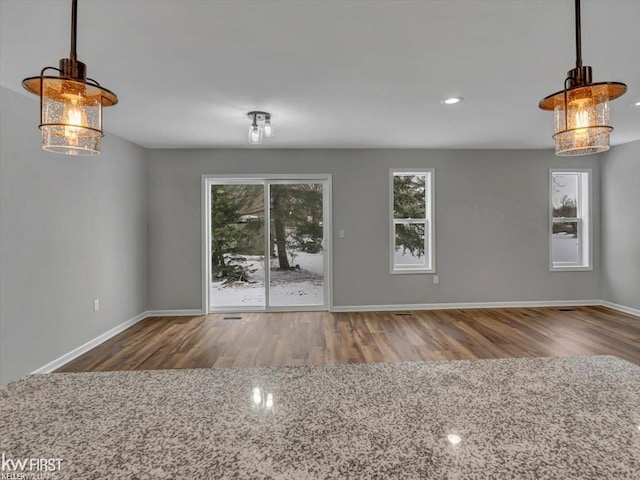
(266, 243)
(296, 244)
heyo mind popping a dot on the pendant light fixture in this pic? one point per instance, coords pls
(70, 103)
(260, 126)
(581, 109)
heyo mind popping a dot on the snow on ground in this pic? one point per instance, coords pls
(407, 258)
(303, 286)
(565, 248)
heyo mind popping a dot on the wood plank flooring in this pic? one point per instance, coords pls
(312, 338)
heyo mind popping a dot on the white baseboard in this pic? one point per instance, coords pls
(455, 306)
(621, 308)
(174, 313)
(67, 357)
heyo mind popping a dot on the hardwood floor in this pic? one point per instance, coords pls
(311, 338)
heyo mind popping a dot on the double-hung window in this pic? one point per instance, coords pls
(412, 221)
(570, 219)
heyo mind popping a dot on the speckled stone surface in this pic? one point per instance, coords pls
(545, 418)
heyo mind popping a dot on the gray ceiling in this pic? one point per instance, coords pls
(343, 73)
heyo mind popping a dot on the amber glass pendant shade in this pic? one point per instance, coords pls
(581, 118)
(70, 114)
(70, 105)
(581, 110)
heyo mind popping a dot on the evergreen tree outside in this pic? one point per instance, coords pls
(237, 225)
(409, 194)
(296, 216)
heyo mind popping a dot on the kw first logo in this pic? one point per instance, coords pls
(29, 468)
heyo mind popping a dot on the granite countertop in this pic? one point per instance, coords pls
(538, 418)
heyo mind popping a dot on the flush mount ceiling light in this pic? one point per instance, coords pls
(581, 110)
(70, 104)
(260, 127)
(451, 100)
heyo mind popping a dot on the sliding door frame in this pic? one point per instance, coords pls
(267, 180)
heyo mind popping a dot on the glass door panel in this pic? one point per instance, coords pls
(296, 247)
(237, 247)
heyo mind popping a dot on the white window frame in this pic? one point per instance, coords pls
(584, 198)
(429, 223)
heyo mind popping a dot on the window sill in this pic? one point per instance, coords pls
(413, 271)
(576, 268)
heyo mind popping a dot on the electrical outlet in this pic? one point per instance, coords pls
(341, 233)
(96, 305)
(436, 279)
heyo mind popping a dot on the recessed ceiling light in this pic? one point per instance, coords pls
(637, 104)
(451, 100)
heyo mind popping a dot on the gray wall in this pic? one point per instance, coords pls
(491, 214)
(621, 225)
(125, 228)
(72, 229)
